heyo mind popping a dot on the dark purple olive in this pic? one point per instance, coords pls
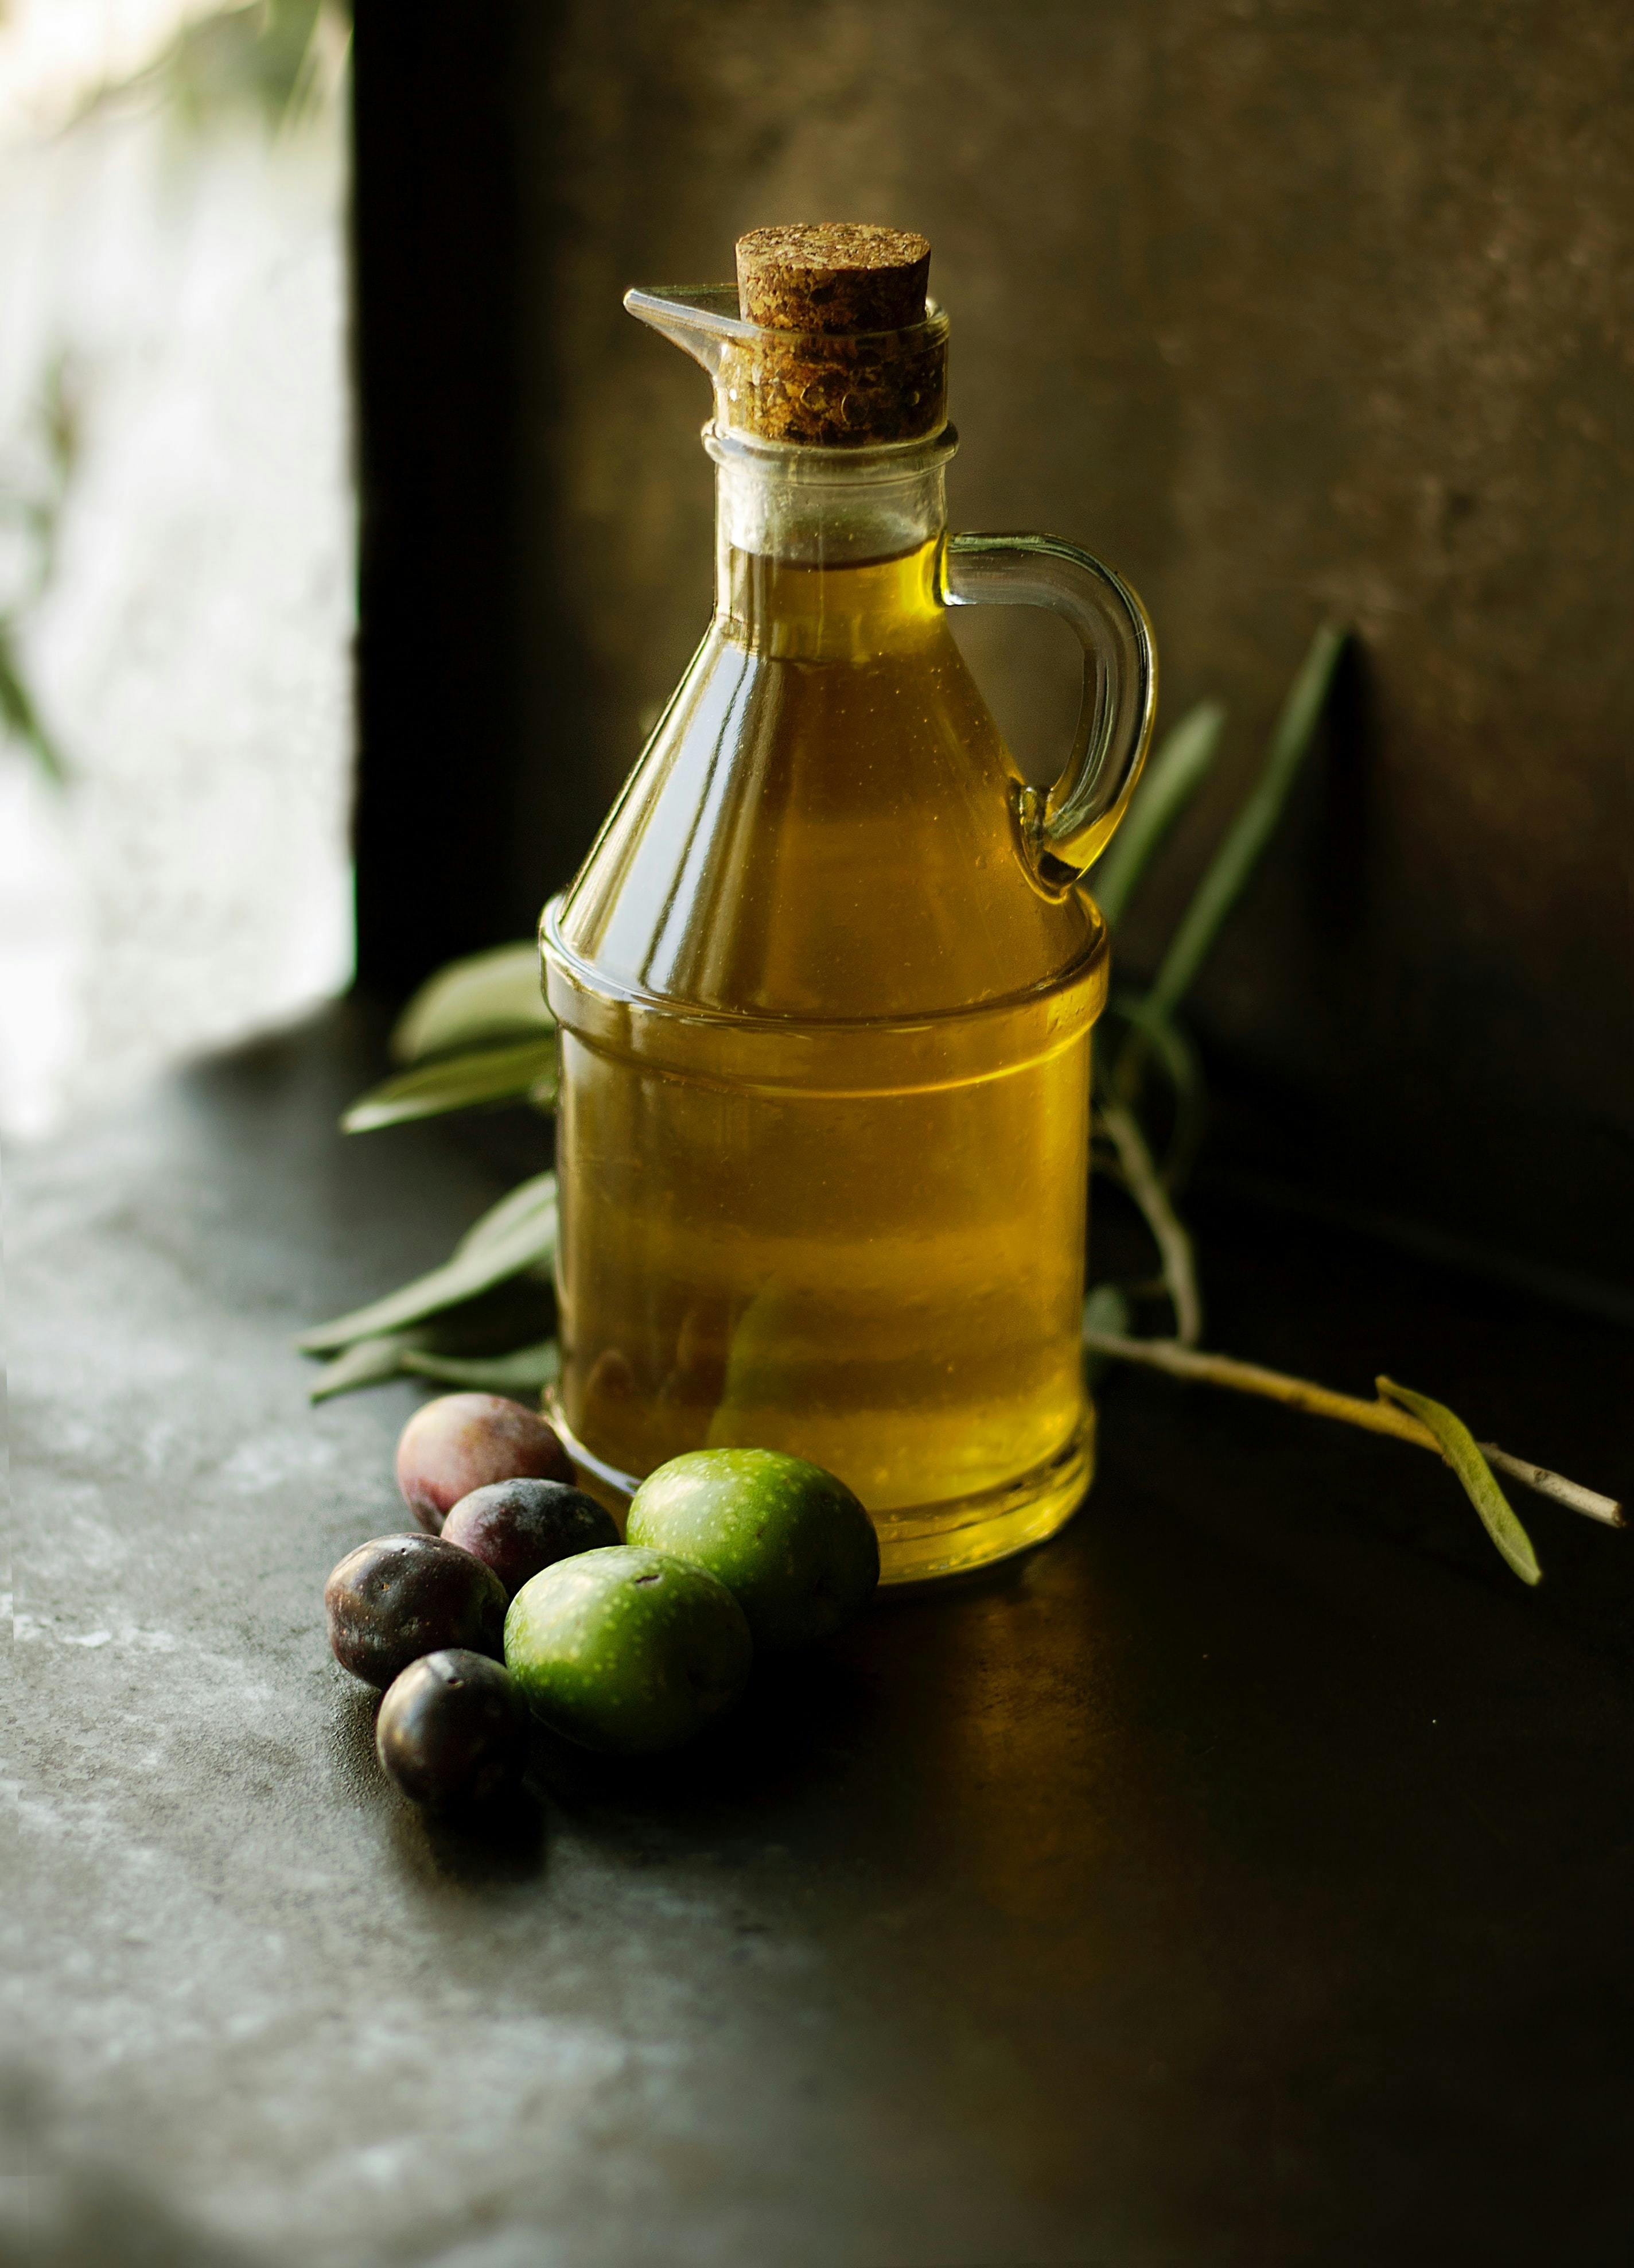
(462, 1441)
(516, 1527)
(391, 1601)
(452, 1729)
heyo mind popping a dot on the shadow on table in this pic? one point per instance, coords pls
(803, 1716)
(491, 1847)
(62, 2209)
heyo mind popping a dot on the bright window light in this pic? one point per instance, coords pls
(176, 538)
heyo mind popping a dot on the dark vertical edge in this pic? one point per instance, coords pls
(562, 791)
(436, 260)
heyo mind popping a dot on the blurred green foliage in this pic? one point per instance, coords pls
(276, 57)
(278, 60)
(31, 507)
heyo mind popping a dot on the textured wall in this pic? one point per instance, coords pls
(1289, 310)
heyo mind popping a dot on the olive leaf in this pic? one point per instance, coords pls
(1229, 869)
(480, 1000)
(366, 1362)
(1380, 1415)
(523, 1073)
(1182, 764)
(528, 1201)
(18, 712)
(529, 1241)
(1459, 1448)
(525, 1369)
(482, 1330)
(1176, 770)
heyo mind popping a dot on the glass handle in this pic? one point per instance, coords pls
(1065, 830)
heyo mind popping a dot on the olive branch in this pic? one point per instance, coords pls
(479, 1035)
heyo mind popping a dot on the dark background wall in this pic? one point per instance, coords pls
(1289, 310)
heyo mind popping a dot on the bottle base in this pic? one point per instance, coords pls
(921, 1543)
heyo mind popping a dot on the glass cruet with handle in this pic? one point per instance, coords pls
(826, 981)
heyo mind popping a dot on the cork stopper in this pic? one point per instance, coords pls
(860, 363)
(833, 277)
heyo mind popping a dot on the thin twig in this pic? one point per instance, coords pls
(1145, 1184)
(1322, 1402)
(1589, 1502)
(1149, 1036)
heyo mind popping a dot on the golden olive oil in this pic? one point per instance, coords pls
(825, 1079)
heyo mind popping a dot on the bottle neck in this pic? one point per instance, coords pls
(826, 551)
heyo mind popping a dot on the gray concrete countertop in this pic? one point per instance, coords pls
(1244, 1878)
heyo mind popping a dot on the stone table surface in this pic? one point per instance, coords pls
(1245, 1877)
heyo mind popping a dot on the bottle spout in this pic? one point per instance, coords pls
(870, 365)
(702, 319)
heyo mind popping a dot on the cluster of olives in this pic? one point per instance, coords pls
(626, 1646)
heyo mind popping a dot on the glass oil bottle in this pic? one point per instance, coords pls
(827, 980)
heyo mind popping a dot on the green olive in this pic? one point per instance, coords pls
(626, 1650)
(789, 1540)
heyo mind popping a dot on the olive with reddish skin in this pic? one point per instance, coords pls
(516, 1527)
(452, 1728)
(463, 1441)
(399, 1596)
